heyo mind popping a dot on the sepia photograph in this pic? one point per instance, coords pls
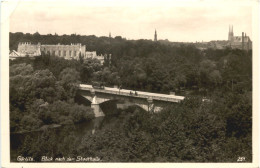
(129, 82)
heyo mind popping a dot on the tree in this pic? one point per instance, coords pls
(215, 77)
(88, 68)
(69, 79)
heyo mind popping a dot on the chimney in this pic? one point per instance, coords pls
(246, 40)
(242, 40)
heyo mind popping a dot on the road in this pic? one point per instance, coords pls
(141, 94)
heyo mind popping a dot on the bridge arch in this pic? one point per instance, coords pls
(121, 104)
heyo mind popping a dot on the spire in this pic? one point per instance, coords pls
(230, 33)
(155, 36)
(109, 34)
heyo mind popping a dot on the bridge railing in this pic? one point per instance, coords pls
(140, 95)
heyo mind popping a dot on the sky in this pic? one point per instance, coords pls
(177, 21)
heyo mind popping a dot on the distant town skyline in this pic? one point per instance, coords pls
(132, 20)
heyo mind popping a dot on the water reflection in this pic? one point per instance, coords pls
(79, 130)
(89, 127)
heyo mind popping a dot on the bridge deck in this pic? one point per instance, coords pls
(125, 92)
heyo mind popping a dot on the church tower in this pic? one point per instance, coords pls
(230, 33)
(155, 36)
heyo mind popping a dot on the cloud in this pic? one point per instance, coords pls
(134, 20)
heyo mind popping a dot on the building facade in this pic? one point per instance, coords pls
(28, 49)
(72, 51)
(239, 42)
(93, 55)
(242, 42)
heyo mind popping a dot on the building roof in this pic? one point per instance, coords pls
(239, 39)
(14, 54)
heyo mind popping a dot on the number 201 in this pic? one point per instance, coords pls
(241, 159)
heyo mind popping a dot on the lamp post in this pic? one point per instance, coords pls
(118, 83)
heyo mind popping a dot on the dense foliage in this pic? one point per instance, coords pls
(215, 129)
(192, 131)
(189, 132)
(150, 66)
(38, 98)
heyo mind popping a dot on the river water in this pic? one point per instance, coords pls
(81, 130)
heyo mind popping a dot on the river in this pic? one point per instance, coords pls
(81, 130)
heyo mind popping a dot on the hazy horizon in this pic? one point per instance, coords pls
(125, 37)
(177, 23)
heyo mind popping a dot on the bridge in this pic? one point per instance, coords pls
(152, 102)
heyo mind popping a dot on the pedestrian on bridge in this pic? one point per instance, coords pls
(120, 87)
(136, 93)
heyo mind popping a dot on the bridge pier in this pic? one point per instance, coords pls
(95, 105)
(122, 106)
(150, 105)
(97, 110)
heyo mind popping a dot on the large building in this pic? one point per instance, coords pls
(235, 42)
(73, 51)
(66, 51)
(240, 42)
